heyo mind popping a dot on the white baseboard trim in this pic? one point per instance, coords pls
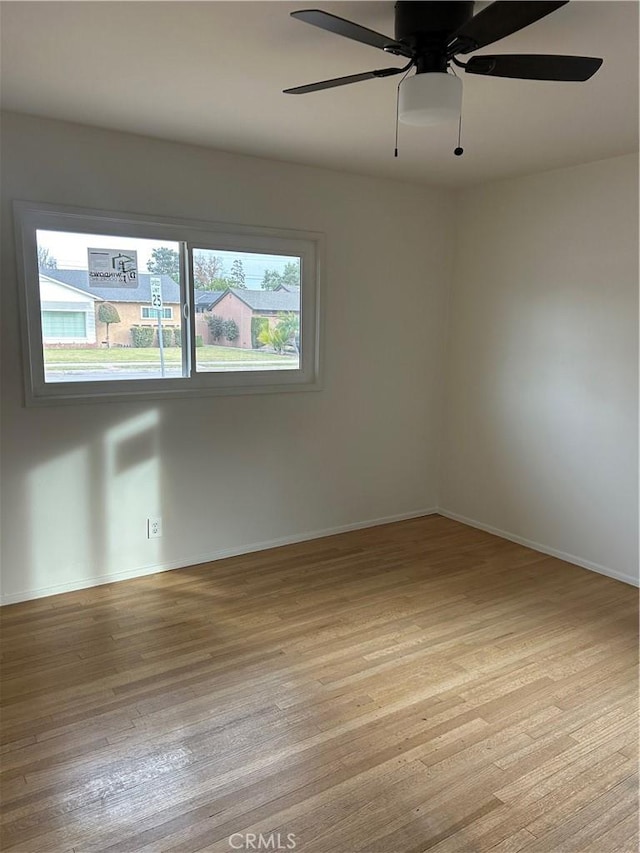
(87, 583)
(544, 549)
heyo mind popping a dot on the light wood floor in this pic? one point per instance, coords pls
(418, 686)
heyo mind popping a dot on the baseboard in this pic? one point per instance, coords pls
(194, 560)
(544, 549)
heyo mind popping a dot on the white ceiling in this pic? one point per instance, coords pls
(211, 73)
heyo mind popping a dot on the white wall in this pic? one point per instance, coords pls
(540, 437)
(539, 432)
(228, 472)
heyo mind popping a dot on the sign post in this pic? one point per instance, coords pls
(156, 305)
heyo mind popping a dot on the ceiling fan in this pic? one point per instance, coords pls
(431, 35)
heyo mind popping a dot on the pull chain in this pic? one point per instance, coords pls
(459, 151)
(395, 152)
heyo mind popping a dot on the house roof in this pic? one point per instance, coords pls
(48, 280)
(257, 300)
(268, 300)
(142, 293)
(208, 298)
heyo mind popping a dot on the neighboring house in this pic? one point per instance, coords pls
(290, 288)
(68, 313)
(64, 325)
(246, 306)
(70, 309)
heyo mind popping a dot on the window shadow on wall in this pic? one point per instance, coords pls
(84, 510)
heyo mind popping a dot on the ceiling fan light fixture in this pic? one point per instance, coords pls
(430, 98)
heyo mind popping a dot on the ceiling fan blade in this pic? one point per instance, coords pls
(498, 20)
(535, 67)
(343, 81)
(349, 30)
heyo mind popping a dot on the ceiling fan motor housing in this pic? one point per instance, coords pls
(426, 28)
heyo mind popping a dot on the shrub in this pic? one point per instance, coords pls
(284, 334)
(258, 325)
(167, 338)
(177, 337)
(199, 341)
(142, 336)
(216, 326)
(275, 338)
(108, 313)
(231, 330)
(289, 326)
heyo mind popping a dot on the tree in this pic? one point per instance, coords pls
(208, 272)
(291, 274)
(46, 260)
(271, 280)
(165, 261)
(221, 283)
(108, 314)
(237, 274)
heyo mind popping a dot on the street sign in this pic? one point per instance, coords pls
(155, 282)
(156, 291)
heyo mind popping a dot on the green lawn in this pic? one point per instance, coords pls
(172, 355)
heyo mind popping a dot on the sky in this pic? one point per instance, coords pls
(70, 251)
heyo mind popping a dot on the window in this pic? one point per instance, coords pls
(148, 313)
(118, 306)
(240, 288)
(64, 324)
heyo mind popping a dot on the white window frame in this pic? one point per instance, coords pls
(191, 234)
(149, 309)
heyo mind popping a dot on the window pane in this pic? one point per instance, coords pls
(64, 325)
(110, 307)
(247, 311)
(152, 313)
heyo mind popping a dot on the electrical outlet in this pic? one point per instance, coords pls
(154, 528)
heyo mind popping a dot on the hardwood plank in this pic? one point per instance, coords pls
(416, 686)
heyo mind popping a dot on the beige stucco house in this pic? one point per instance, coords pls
(69, 306)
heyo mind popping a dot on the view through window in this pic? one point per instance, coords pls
(247, 311)
(112, 308)
(98, 317)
